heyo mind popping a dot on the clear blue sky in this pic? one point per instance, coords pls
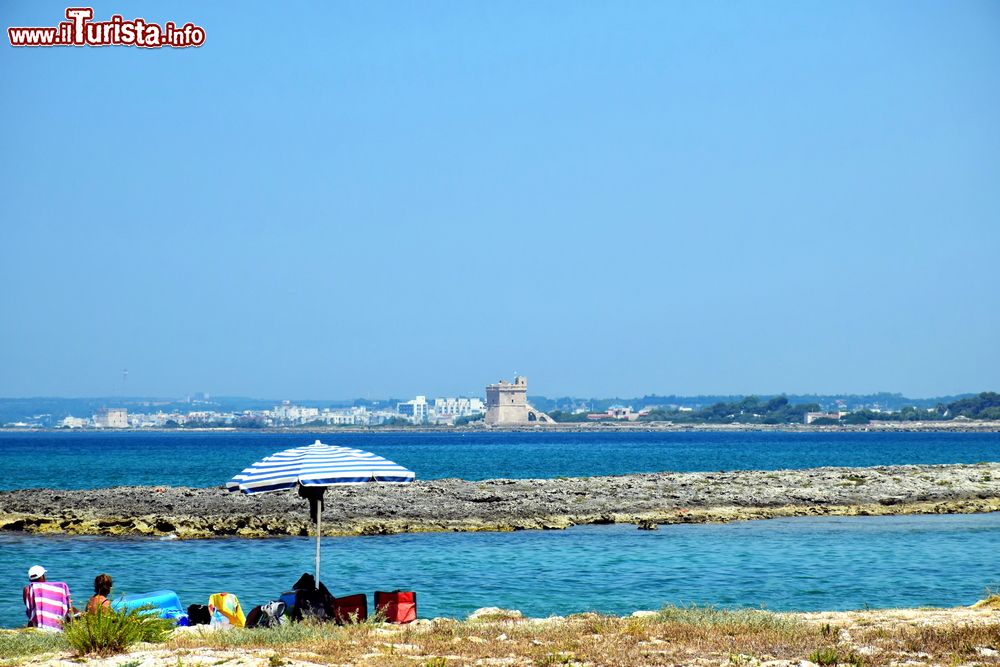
(369, 199)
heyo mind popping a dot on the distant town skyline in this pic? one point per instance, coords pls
(507, 405)
(612, 199)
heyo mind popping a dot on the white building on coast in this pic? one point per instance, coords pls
(74, 422)
(111, 418)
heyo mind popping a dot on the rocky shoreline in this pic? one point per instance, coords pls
(508, 504)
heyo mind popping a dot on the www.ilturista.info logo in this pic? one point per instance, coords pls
(80, 30)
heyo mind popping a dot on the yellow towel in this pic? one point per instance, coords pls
(229, 606)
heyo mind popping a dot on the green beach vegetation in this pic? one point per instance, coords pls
(107, 632)
(16, 646)
(103, 633)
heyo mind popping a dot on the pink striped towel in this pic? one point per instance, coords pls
(46, 603)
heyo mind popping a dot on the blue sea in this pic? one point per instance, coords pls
(93, 460)
(781, 564)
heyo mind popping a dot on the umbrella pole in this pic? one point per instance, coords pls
(315, 496)
(319, 533)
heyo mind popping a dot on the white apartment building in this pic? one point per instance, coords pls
(416, 411)
(339, 419)
(162, 418)
(294, 414)
(356, 416)
(458, 407)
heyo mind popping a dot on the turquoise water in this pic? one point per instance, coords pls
(92, 460)
(783, 564)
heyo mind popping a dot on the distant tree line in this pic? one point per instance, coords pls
(885, 400)
(982, 406)
(749, 410)
(780, 410)
(564, 417)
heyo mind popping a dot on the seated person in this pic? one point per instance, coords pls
(47, 603)
(102, 589)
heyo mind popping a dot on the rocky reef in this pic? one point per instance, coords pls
(646, 500)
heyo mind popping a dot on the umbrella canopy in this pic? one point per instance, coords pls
(318, 464)
(314, 468)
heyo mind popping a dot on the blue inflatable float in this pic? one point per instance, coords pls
(165, 604)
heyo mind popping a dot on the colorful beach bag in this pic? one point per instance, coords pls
(397, 606)
(228, 605)
(350, 609)
(268, 615)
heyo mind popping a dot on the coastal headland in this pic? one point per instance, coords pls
(443, 505)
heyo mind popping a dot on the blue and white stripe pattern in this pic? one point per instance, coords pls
(318, 465)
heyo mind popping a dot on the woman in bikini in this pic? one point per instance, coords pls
(102, 589)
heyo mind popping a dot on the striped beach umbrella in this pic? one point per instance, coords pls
(312, 469)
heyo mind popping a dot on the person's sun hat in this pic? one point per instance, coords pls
(36, 572)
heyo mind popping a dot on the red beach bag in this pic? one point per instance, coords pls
(351, 609)
(397, 606)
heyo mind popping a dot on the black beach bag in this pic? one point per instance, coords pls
(311, 602)
(198, 614)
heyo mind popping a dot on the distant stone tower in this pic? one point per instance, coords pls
(507, 404)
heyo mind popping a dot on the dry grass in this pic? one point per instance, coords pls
(687, 635)
(991, 602)
(951, 645)
(673, 635)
